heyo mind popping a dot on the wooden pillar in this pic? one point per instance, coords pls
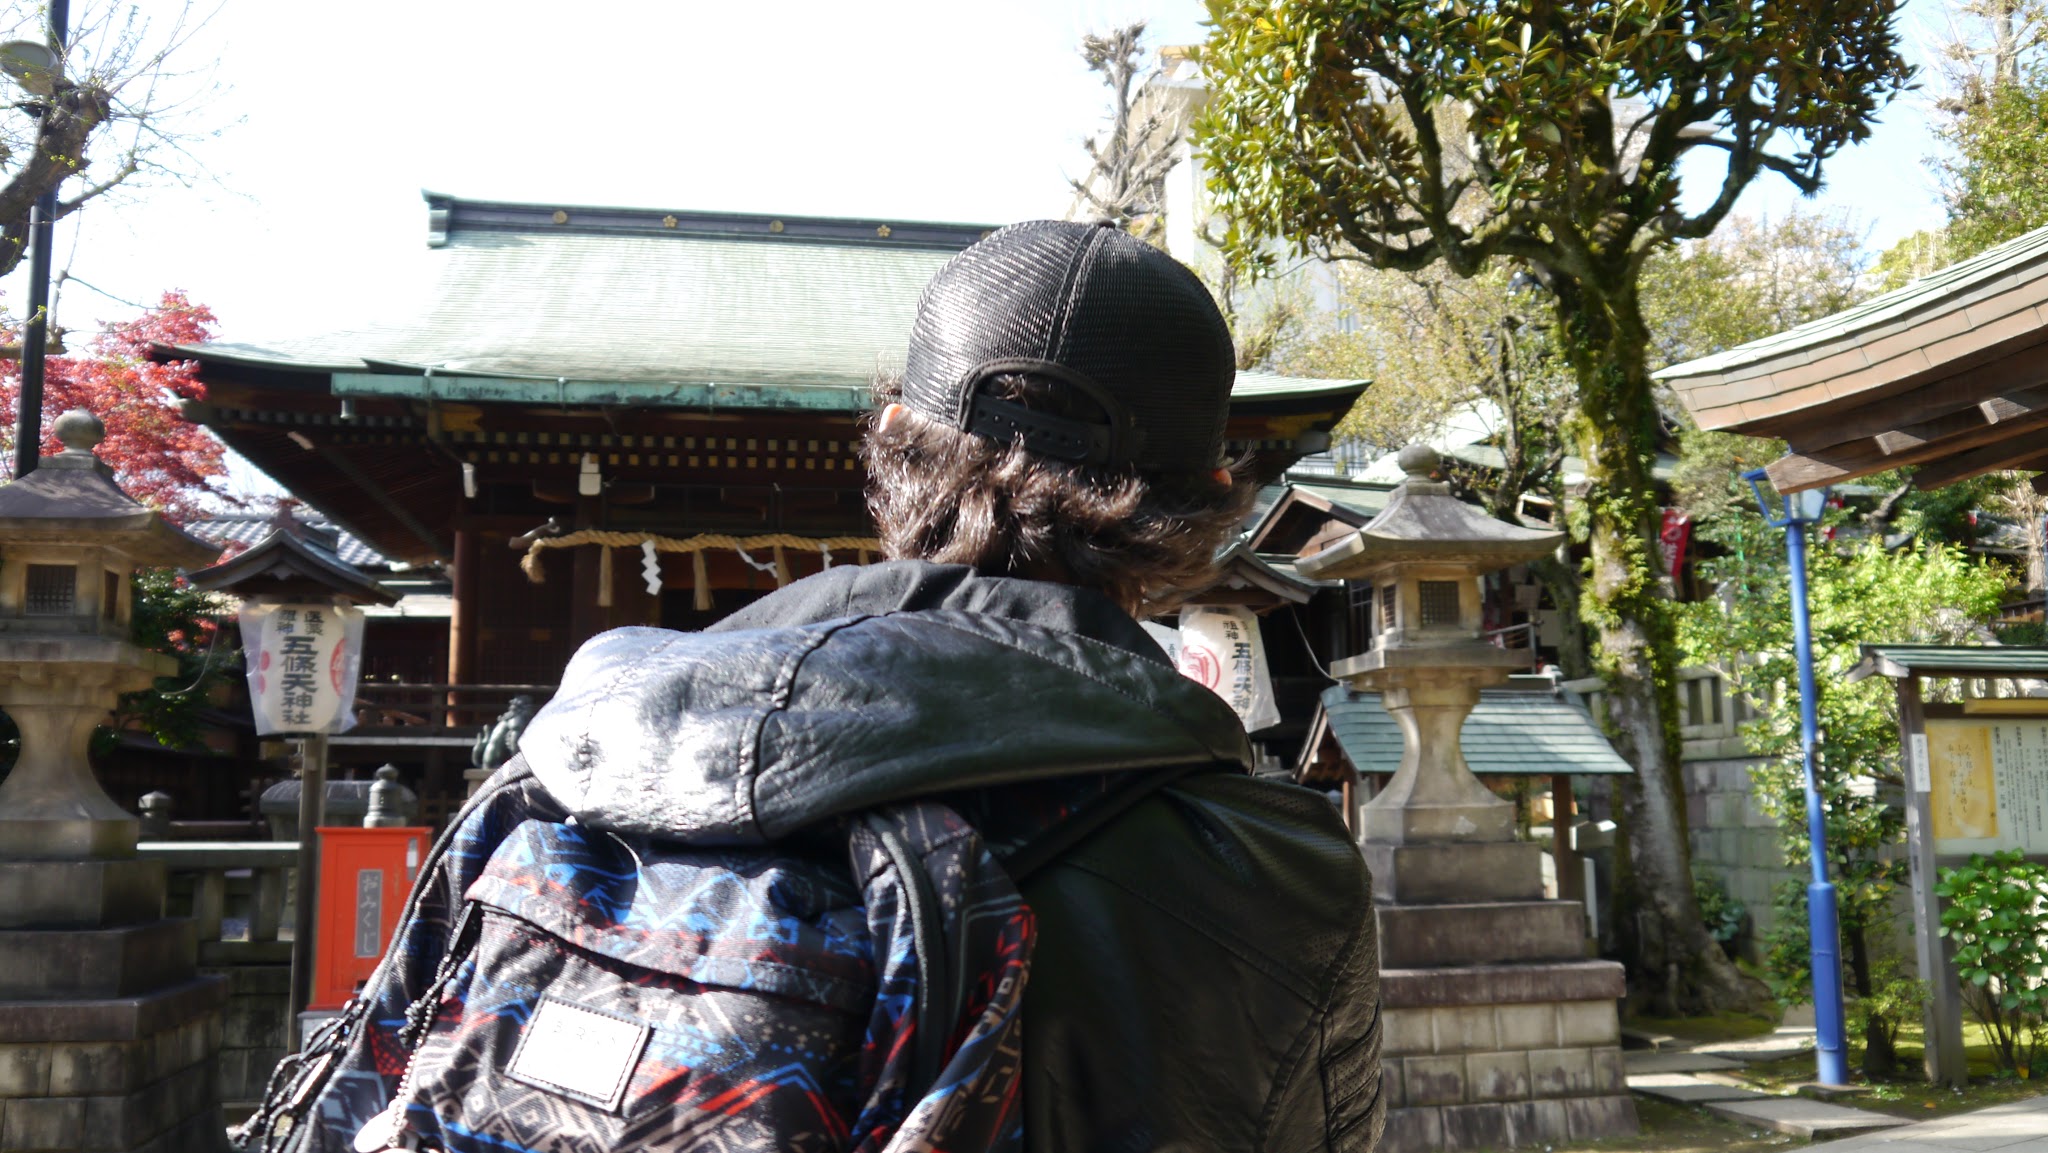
(1943, 1052)
(586, 617)
(1562, 856)
(462, 626)
(312, 813)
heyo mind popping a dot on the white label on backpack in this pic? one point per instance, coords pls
(578, 1052)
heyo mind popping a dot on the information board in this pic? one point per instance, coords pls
(1987, 780)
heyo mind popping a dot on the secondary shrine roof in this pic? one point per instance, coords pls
(1949, 373)
(1512, 732)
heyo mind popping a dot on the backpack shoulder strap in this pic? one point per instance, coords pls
(1049, 845)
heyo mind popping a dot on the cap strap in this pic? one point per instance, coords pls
(1060, 437)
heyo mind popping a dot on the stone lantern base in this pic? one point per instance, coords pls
(1498, 1033)
(108, 1033)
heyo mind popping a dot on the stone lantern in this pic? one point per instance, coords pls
(1500, 1033)
(110, 1031)
(1435, 830)
(69, 540)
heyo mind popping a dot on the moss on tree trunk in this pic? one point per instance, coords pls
(1675, 966)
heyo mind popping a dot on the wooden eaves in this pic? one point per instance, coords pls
(1948, 374)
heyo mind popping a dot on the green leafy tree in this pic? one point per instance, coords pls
(1859, 592)
(1992, 101)
(1409, 133)
(1997, 179)
(1753, 277)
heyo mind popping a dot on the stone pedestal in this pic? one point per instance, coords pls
(1498, 1032)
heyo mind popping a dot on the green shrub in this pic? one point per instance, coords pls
(1725, 917)
(1997, 915)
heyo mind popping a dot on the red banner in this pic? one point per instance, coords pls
(1672, 538)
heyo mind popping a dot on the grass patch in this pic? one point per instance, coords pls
(1719, 1027)
(1669, 1128)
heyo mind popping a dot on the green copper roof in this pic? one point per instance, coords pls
(1364, 499)
(1512, 733)
(638, 306)
(1952, 661)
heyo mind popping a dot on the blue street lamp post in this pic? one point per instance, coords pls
(1824, 932)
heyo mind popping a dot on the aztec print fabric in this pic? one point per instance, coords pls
(739, 999)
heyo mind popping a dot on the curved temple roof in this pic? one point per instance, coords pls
(1949, 373)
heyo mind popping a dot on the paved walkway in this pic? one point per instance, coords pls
(1702, 1075)
(2016, 1127)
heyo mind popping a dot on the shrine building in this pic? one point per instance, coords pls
(584, 388)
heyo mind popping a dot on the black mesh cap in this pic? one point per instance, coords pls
(1090, 306)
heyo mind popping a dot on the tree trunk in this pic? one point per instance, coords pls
(1675, 966)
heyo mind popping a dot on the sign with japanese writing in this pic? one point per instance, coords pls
(303, 662)
(1987, 779)
(1221, 648)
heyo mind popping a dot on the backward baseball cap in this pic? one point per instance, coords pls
(1096, 309)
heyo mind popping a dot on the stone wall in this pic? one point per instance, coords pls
(1467, 1077)
(1732, 838)
(254, 1031)
(153, 1093)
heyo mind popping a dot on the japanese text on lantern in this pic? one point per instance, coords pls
(303, 661)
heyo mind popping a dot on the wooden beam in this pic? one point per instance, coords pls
(1993, 410)
(1861, 417)
(2027, 454)
(1802, 470)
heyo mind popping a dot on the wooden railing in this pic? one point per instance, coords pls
(387, 706)
(237, 892)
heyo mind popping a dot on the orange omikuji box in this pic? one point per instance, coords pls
(365, 877)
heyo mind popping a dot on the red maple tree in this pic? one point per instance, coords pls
(156, 456)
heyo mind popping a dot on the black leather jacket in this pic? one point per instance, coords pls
(1206, 975)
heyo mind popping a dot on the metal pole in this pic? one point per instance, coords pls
(1823, 922)
(312, 811)
(35, 333)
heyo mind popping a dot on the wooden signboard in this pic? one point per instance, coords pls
(1986, 780)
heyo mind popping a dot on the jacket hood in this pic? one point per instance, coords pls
(859, 687)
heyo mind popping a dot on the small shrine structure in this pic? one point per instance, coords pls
(1499, 1032)
(108, 1029)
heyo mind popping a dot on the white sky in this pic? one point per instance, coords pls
(308, 218)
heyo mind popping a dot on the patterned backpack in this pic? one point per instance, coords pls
(557, 989)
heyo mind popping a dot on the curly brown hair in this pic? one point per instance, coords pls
(944, 495)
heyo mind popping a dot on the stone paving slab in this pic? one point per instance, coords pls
(1636, 1061)
(1802, 1117)
(2015, 1127)
(1687, 1090)
(1769, 1047)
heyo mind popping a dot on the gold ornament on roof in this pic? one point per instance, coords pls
(883, 232)
(561, 217)
(668, 221)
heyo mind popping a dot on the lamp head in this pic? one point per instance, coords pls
(32, 64)
(1811, 504)
(1756, 477)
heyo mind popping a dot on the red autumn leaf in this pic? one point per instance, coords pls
(157, 457)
